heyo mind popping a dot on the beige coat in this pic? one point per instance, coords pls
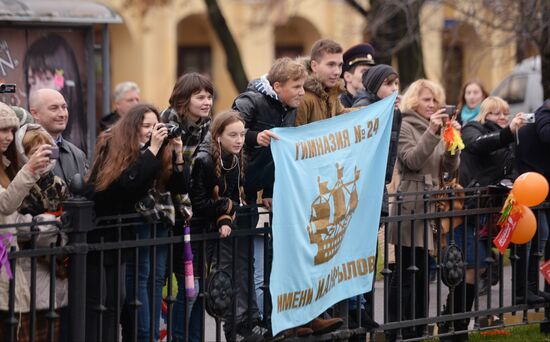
(49, 233)
(418, 159)
(10, 200)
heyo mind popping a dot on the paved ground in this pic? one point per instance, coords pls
(379, 301)
(482, 301)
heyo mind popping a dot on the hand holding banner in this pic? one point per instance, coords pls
(329, 181)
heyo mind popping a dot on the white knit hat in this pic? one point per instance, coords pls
(8, 117)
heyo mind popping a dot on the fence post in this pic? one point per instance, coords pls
(80, 222)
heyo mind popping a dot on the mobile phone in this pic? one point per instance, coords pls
(55, 152)
(450, 110)
(529, 117)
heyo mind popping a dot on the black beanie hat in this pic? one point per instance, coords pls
(375, 76)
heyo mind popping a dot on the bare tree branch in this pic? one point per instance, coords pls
(356, 6)
(395, 30)
(233, 56)
(525, 22)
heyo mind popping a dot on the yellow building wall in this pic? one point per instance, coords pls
(488, 54)
(144, 47)
(431, 19)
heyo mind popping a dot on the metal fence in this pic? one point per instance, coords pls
(95, 293)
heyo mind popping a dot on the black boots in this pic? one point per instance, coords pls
(526, 267)
(459, 303)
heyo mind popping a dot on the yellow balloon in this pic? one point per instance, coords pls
(530, 189)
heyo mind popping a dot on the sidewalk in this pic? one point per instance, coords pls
(379, 301)
(482, 300)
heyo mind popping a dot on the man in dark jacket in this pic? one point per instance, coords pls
(269, 102)
(534, 144)
(357, 59)
(532, 155)
(378, 82)
(125, 96)
(49, 109)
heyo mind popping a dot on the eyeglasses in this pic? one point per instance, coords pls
(499, 114)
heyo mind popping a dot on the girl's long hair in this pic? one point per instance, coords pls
(186, 86)
(217, 127)
(7, 174)
(119, 147)
(462, 99)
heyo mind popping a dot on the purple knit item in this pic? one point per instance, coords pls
(5, 242)
(188, 263)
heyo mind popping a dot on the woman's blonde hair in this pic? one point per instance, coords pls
(492, 104)
(411, 98)
(35, 137)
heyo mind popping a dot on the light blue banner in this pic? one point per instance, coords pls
(329, 179)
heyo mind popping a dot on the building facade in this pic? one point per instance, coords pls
(161, 39)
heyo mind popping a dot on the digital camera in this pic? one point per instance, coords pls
(174, 130)
(450, 110)
(529, 117)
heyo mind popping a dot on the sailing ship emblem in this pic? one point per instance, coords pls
(331, 212)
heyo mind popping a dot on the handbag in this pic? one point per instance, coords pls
(446, 202)
(219, 293)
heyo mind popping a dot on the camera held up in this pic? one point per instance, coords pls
(174, 130)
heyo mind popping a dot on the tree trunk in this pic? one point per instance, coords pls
(396, 29)
(233, 56)
(544, 49)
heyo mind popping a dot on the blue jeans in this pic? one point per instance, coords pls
(541, 235)
(160, 275)
(259, 253)
(469, 234)
(194, 309)
(143, 268)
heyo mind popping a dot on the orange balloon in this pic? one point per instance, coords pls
(526, 227)
(530, 189)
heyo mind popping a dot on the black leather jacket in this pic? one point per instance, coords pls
(488, 156)
(533, 151)
(261, 109)
(218, 208)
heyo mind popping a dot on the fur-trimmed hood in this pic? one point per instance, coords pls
(314, 85)
(262, 86)
(18, 139)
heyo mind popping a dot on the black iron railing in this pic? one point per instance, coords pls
(116, 241)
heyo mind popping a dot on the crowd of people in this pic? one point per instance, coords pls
(195, 163)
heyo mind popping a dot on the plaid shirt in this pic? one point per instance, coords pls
(192, 135)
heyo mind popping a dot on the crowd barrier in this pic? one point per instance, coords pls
(68, 262)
